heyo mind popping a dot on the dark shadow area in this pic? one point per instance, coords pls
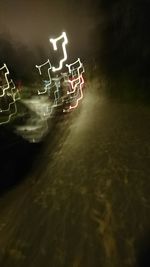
(143, 251)
(16, 158)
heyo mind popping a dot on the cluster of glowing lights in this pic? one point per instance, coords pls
(8, 96)
(72, 79)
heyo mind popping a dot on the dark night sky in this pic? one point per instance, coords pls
(115, 33)
(33, 22)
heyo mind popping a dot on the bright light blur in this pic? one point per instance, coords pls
(64, 39)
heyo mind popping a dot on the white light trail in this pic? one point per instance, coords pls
(75, 74)
(76, 65)
(81, 93)
(6, 86)
(57, 91)
(49, 81)
(63, 37)
(8, 92)
(10, 115)
(11, 94)
(69, 92)
(76, 70)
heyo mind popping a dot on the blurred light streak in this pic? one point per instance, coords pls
(63, 37)
(81, 93)
(6, 79)
(66, 88)
(75, 74)
(76, 70)
(8, 91)
(47, 82)
(57, 91)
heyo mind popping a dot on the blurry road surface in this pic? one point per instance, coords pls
(86, 200)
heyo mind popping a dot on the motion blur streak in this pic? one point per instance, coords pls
(81, 93)
(54, 43)
(4, 68)
(47, 86)
(36, 126)
(8, 97)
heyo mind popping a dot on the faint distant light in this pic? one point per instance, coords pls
(63, 37)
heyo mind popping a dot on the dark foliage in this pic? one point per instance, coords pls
(123, 42)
